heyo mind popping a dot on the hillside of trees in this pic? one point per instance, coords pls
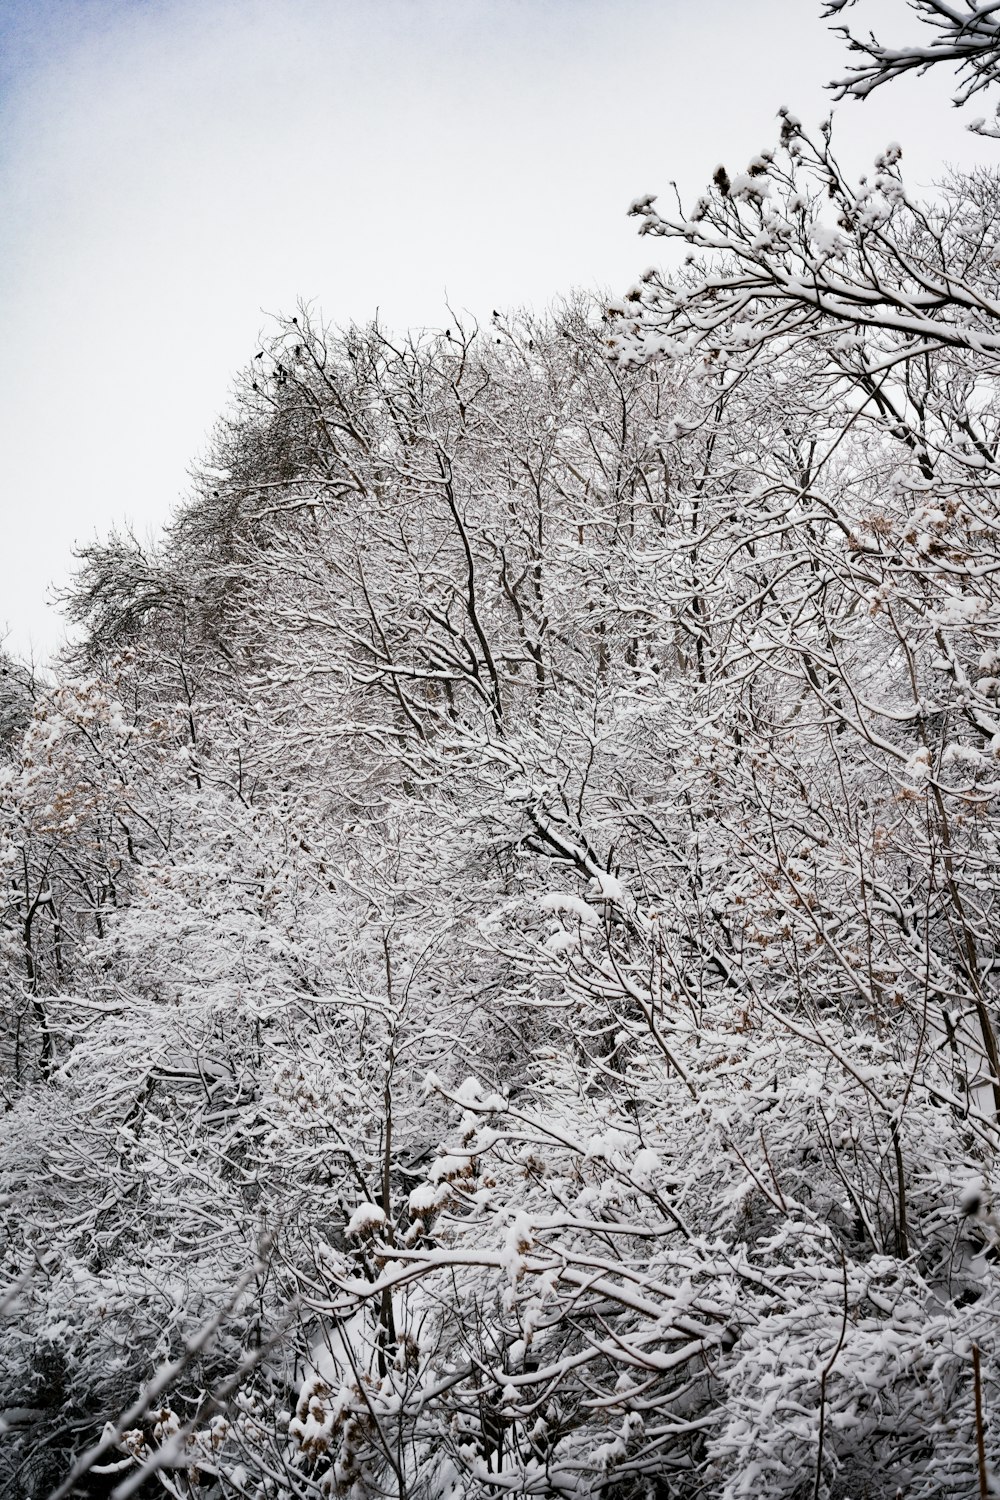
(500, 936)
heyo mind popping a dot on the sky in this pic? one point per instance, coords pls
(173, 172)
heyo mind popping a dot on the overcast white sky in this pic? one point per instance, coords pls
(173, 170)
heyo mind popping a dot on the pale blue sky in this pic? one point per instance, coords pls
(172, 169)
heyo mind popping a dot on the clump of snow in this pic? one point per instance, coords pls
(645, 1167)
(447, 1167)
(567, 904)
(424, 1198)
(366, 1218)
(961, 755)
(607, 887)
(918, 766)
(517, 1242)
(829, 242)
(958, 610)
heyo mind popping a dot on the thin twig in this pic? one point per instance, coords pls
(977, 1386)
(824, 1374)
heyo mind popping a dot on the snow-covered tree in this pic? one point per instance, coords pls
(500, 934)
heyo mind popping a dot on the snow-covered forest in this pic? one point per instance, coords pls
(500, 968)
